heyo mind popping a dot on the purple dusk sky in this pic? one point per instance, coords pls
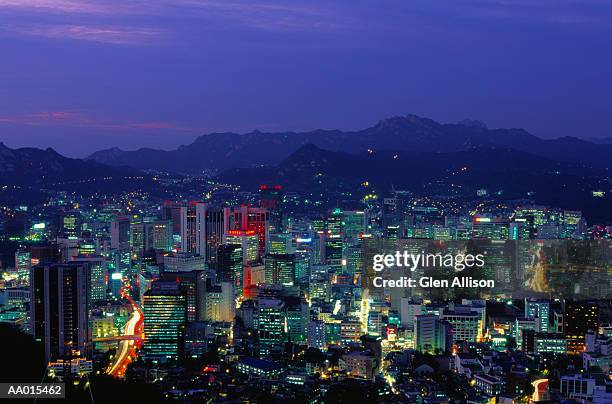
(80, 75)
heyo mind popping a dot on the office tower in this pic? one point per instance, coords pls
(409, 310)
(247, 218)
(354, 225)
(179, 262)
(192, 284)
(465, 323)
(271, 199)
(296, 311)
(280, 269)
(165, 314)
(269, 322)
(120, 233)
(213, 231)
(220, 302)
(171, 210)
(201, 229)
(579, 318)
(248, 240)
(97, 263)
(230, 266)
(60, 307)
(538, 309)
(70, 225)
(432, 334)
(23, 264)
(279, 243)
(162, 235)
(316, 335)
(192, 238)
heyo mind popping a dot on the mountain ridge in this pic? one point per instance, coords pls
(224, 150)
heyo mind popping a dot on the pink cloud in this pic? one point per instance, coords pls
(113, 35)
(78, 119)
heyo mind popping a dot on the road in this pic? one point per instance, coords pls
(127, 348)
(540, 392)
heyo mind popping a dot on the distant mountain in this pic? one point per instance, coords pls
(37, 168)
(219, 151)
(509, 173)
(602, 140)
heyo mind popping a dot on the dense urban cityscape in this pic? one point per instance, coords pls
(229, 295)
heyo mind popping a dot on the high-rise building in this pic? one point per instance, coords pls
(98, 286)
(60, 307)
(193, 285)
(247, 218)
(280, 269)
(538, 309)
(248, 240)
(120, 233)
(180, 262)
(432, 334)
(465, 323)
(230, 266)
(165, 314)
(161, 236)
(579, 317)
(171, 210)
(201, 229)
(220, 302)
(271, 199)
(316, 335)
(269, 321)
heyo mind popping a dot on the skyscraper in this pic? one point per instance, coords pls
(247, 218)
(201, 229)
(60, 307)
(579, 318)
(165, 314)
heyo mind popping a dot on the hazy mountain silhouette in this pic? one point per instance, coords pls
(407, 133)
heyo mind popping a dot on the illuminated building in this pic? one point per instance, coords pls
(60, 307)
(230, 266)
(350, 330)
(192, 283)
(162, 235)
(296, 312)
(553, 343)
(465, 323)
(579, 317)
(280, 269)
(71, 225)
(358, 364)
(98, 272)
(247, 219)
(490, 385)
(270, 323)
(181, 262)
(220, 302)
(279, 243)
(316, 335)
(519, 326)
(490, 228)
(259, 368)
(538, 309)
(432, 334)
(165, 313)
(248, 240)
(271, 199)
(171, 211)
(120, 233)
(354, 224)
(23, 263)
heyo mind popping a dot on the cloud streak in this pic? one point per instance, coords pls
(79, 119)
